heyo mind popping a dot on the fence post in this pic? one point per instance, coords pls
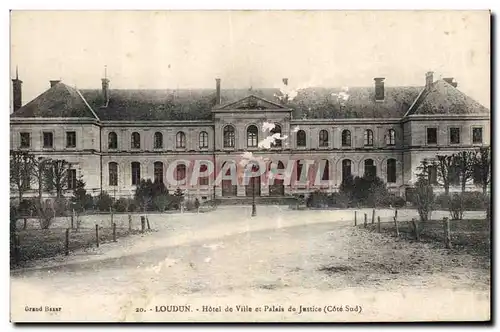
(396, 224)
(143, 224)
(129, 222)
(355, 218)
(378, 223)
(111, 211)
(17, 245)
(147, 221)
(66, 244)
(373, 216)
(73, 219)
(447, 233)
(114, 232)
(97, 235)
(366, 220)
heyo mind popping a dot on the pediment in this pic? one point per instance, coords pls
(252, 103)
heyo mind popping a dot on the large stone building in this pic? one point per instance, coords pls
(114, 137)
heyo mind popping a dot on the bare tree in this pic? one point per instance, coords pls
(21, 165)
(482, 167)
(445, 171)
(56, 176)
(38, 171)
(464, 163)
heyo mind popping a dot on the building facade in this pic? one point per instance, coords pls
(113, 138)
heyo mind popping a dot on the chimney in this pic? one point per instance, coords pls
(450, 81)
(429, 79)
(285, 81)
(105, 91)
(379, 89)
(54, 82)
(17, 92)
(217, 92)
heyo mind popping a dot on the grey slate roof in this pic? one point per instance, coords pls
(60, 101)
(196, 104)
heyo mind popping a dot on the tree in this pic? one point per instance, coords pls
(445, 169)
(148, 192)
(424, 198)
(104, 201)
(80, 199)
(38, 172)
(482, 167)
(464, 163)
(56, 176)
(21, 166)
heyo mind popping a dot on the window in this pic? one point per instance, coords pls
(277, 142)
(346, 169)
(135, 141)
(301, 138)
(323, 138)
(299, 170)
(136, 173)
(71, 179)
(203, 140)
(229, 136)
(180, 173)
(158, 172)
(370, 168)
(477, 135)
(391, 137)
(391, 170)
(252, 136)
(368, 137)
(454, 135)
(203, 181)
(326, 171)
(25, 140)
(71, 139)
(180, 140)
(112, 140)
(431, 135)
(158, 140)
(113, 173)
(48, 140)
(346, 138)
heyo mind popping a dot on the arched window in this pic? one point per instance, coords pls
(112, 140)
(368, 137)
(391, 170)
(391, 137)
(135, 141)
(252, 136)
(346, 169)
(326, 170)
(229, 136)
(158, 140)
(323, 138)
(301, 138)
(346, 138)
(180, 140)
(203, 140)
(370, 168)
(180, 173)
(276, 130)
(136, 173)
(113, 173)
(158, 172)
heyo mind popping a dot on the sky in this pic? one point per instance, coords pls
(189, 49)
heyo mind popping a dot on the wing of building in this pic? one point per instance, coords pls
(114, 138)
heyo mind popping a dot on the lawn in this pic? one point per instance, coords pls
(471, 236)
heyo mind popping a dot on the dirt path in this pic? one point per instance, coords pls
(274, 259)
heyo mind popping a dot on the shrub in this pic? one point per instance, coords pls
(196, 203)
(27, 208)
(317, 199)
(46, 214)
(121, 204)
(424, 199)
(160, 202)
(104, 201)
(61, 207)
(132, 205)
(455, 207)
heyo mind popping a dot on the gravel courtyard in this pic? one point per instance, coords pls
(279, 260)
